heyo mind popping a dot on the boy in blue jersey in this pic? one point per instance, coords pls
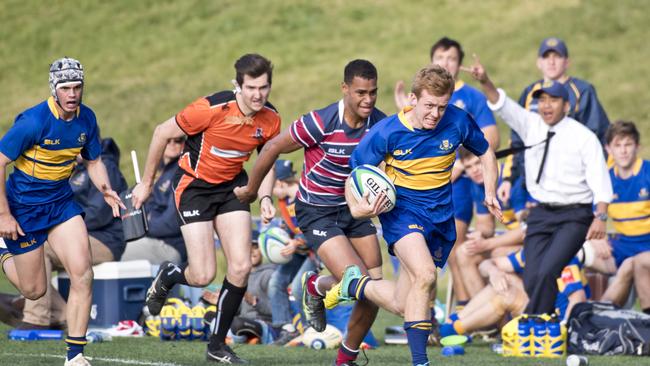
(36, 205)
(505, 294)
(478, 245)
(449, 54)
(630, 212)
(418, 146)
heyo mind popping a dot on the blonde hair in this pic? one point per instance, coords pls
(436, 80)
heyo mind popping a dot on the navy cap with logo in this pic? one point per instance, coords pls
(554, 89)
(553, 44)
(284, 169)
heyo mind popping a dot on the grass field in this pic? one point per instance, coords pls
(147, 59)
(148, 351)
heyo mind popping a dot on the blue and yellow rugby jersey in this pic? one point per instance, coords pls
(419, 161)
(571, 279)
(44, 149)
(473, 102)
(630, 208)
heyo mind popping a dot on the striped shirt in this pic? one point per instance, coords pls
(328, 143)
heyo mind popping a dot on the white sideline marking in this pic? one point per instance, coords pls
(113, 360)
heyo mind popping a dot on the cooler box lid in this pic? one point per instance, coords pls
(120, 270)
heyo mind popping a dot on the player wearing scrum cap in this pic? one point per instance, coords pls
(36, 205)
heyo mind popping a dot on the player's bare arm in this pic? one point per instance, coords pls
(362, 208)
(163, 132)
(281, 144)
(267, 209)
(99, 176)
(9, 227)
(490, 174)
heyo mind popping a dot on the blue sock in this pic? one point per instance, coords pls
(357, 287)
(75, 346)
(417, 334)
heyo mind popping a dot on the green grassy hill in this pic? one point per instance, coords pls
(146, 60)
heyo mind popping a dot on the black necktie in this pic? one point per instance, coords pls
(549, 135)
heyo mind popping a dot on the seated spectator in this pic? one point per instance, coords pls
(164, 241)
(105, 234)
(506, 294)
(482, 245)
(285, 189)
(628, 251)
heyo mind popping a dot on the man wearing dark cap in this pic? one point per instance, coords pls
(584, 106)
(565, 173)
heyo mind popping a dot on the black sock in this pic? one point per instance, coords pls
(228, 303)
(173, 274)
(647, 311)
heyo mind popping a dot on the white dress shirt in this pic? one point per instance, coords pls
(575, 170)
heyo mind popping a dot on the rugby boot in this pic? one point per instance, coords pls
(313, 306)
(339, 293)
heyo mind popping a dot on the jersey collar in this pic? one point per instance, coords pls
(636, 168)
(52, 105)
(402, 117)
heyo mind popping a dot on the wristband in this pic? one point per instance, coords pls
(266, 196)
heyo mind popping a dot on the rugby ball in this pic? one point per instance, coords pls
(330, 338)
(271, 242)
(368, 178)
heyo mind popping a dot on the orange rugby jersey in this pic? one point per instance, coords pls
(221, 138)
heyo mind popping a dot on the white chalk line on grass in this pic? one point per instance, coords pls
(113, 360)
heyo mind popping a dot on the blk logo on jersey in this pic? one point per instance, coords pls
(52, 141)
(400, 152)
(336, 151)
(192, 213)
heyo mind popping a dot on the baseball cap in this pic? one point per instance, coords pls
(554, 89)
(553, 44)
(284, 169)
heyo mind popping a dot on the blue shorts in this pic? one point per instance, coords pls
(36, 222)
(439, 236)
(461, 196)
(623, 249)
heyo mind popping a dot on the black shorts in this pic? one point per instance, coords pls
(197, 200)
(320, 223)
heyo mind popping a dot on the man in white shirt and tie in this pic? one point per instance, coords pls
(566, 174)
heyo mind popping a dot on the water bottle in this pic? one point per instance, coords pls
(555, 345)
(539, 337)
(35, 335)
(98, 337)
(524, 333)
